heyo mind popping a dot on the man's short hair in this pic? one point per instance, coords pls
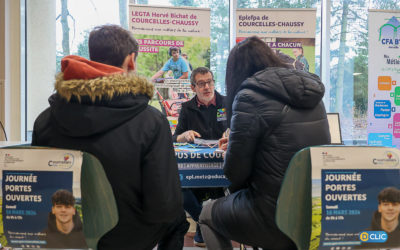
(111, 44)
(389, 194)
(63, 197)
(199, 70)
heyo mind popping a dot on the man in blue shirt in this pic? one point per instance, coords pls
(176, 64)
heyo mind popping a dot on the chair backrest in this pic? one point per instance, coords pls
(99, 208)
(293, 210)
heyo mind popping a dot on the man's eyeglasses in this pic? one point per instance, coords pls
(202, 84)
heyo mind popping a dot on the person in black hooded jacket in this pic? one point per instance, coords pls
(101, 107)
(64, 226)
(274, 111)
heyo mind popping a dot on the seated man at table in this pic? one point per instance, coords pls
(203, 116)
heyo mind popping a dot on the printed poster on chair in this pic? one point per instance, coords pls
(41, 198)
(355, 198)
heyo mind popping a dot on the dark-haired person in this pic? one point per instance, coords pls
(299, 54)
(274, 111)
(64, 226)
(101, 107)
(203, 116)
(177, 64)
(386, 218)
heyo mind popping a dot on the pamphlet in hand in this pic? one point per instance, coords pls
(218, 150)
(209, 143)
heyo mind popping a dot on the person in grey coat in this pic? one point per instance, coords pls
(274, 111)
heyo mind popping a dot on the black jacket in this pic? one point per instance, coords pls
(110, 118)
(276, 113)
(56, 239)
(393, 240)
(202, 119)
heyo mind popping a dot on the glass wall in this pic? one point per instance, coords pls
(55, 29)
(67, 24)
(61, 27)
(348, 83)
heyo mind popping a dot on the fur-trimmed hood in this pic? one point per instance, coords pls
(92, 98)
(105, 87)
(81, 77)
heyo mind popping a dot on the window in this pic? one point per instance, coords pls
(55, 29)
(65, 25)
(348, 87)
(52, 33)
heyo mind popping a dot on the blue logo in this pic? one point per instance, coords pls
(389, 33)
(373, 236)
(181, 177)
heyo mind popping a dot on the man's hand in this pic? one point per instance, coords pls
(187, 136)
(223, 142)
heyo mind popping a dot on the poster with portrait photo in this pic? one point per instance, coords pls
(346, 184)
(30, 178)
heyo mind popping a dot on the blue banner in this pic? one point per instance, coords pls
(200, 166)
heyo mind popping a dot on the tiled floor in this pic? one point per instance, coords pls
(189, 244)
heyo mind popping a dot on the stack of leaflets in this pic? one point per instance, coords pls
(208, 143)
